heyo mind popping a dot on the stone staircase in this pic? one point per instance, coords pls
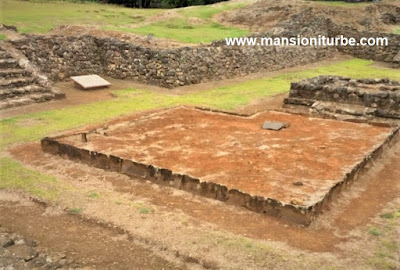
(19, 85)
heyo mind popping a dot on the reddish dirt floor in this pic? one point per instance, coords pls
(236, 152)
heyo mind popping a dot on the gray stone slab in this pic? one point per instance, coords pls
(90, 81)
(273, 125)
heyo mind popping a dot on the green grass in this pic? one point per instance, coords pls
(16, 130)
(40, 17)
(186, 32)
(75, 211)
(386, 252)
(144, 210)
(14, 176)
(2, 37)
(94, 195)
(206, 12)
(183, 29)
(387, 216)
(374, 232)
(397, 31)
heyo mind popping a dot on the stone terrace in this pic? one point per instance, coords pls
(363, 97)
(19, 85)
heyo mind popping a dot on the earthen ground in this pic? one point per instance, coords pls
(354, 208)
(94, 245)
(235, 152)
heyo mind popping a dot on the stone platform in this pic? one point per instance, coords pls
(291, 173)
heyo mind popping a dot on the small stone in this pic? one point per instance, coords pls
(298, 183)
(296, 202)
(274, 125)
(5, 241)
(20, 242)
(39, 261)
(23, 252)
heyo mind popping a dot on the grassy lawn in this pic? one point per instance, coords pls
(20, 129)
(191, 25)
(40, 17)
(15, 176)
(182, 30)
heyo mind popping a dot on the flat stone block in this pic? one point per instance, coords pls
(90, 81)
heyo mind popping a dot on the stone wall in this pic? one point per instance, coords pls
(61, 57)
(306, 23)
(377, 53)
(376, 97)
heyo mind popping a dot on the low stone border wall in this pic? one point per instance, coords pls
(291, 213)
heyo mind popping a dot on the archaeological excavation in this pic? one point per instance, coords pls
(138, 135)
(231, 159)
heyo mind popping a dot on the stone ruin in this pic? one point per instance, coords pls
(60, 57)
(363, 99)
(276, 173)
(20, 83)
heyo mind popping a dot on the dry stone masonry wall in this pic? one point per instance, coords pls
(62, 57)
(377, 53)
(375, 97)
(21, 85)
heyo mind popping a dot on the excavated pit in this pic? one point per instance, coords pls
(292, 173)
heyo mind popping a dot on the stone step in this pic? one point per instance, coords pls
(13, 73)
(15, 82)
(21, 91)
(8, 63)
(299, 101)
(25, 100)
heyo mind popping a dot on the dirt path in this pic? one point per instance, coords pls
(88, 243)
